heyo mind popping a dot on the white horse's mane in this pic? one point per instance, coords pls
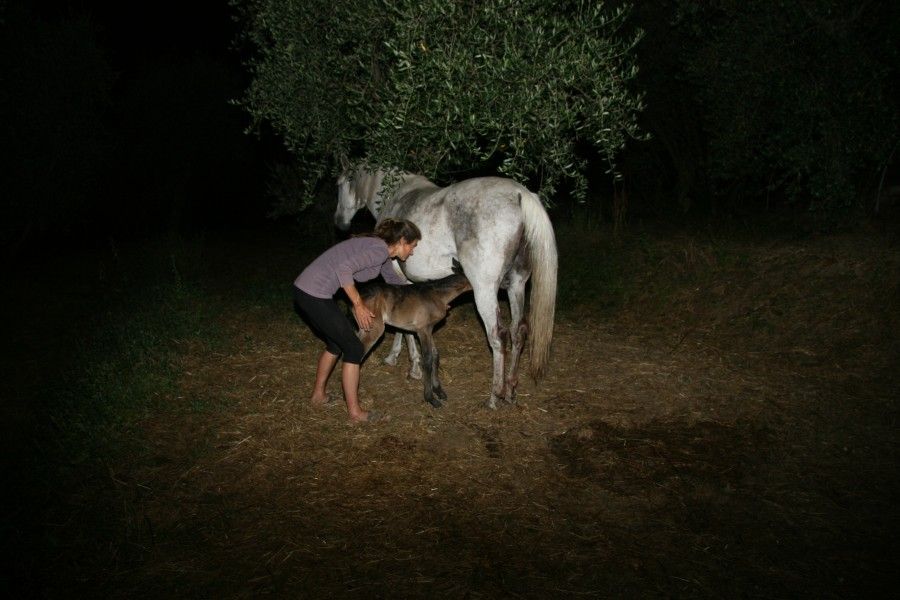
(367, 184)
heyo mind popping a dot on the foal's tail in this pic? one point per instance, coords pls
(544, 264)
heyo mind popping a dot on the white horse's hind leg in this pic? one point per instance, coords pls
(486, 303)
(518, 329)
(415, 361)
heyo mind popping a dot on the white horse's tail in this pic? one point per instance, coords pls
(544, 265)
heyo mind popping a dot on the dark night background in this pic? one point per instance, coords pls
(120, 124)
(136, 234)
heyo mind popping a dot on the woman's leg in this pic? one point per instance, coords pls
(340, 338)
(350, 383)
(323, 372)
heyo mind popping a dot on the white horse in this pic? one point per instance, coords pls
(500, 234)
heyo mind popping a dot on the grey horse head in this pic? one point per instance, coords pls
(359, 187)
(349, 202)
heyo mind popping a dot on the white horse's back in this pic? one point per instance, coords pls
(469, 221)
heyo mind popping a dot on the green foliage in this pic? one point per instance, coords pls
(795, 96)
(442, 87)
(122, 348)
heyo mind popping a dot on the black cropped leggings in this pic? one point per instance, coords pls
(330, 324)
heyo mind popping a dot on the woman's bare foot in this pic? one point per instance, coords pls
(320, 399)
(372, 416)
(359, 417)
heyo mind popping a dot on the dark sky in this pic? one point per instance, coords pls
(135, 32)
(165, 130)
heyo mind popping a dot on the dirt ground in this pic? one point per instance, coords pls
(738, 442)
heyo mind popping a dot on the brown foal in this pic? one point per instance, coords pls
(418, 308)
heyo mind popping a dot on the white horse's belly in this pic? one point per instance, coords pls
(472, 221)
(432, 261)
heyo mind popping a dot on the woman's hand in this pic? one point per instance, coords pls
(361, 312)
(363, 316)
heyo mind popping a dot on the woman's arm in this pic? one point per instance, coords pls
(392, 274)
(361, 312)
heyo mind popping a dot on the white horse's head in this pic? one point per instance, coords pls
(348, 202)
(356, 189)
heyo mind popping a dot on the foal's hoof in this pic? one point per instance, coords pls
(435, 402)
(492, 401)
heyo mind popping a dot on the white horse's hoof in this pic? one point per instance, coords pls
(492, 402)
(390, 359)
(415, 372)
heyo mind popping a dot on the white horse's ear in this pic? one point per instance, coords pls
(345, 164)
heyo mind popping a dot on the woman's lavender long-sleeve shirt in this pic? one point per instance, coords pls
(359, 259)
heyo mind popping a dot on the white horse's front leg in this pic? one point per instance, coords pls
(415, 359)
(394, 354)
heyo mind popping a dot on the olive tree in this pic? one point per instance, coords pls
(443, 87)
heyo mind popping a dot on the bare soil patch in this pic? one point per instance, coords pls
(738, 441)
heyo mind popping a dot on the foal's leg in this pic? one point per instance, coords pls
(434, 393)
(518, 329)
(368, 338)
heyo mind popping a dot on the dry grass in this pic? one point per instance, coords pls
(737, 440)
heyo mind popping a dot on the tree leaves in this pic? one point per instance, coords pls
(441, 87)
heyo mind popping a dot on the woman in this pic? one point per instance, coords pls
(357, 259)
